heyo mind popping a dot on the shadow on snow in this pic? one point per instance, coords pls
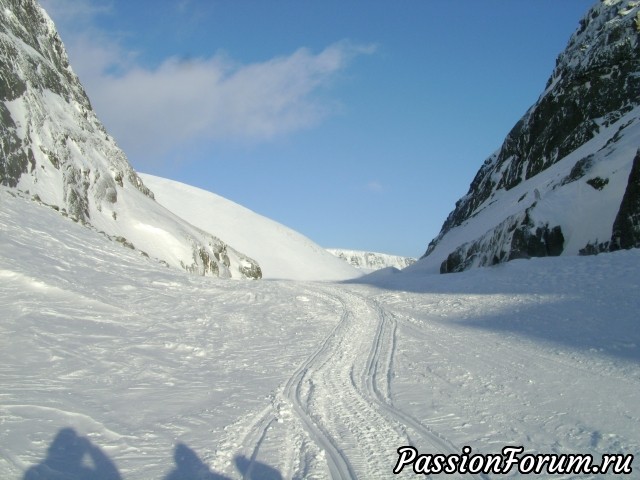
(72, 457)
(584, 303)
(68, 457)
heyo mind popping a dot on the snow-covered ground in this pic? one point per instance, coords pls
(113, 363)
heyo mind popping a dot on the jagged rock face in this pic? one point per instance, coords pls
(53, 146)
(517, 233)
(36, 76)
(581, 131)
(46, 66)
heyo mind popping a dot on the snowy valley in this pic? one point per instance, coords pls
(292, 379)
(153, 330)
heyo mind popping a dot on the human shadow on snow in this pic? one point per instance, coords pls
(190, 467)
(72, 457)
(69, 457)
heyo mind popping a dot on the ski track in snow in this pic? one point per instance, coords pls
(270, 380)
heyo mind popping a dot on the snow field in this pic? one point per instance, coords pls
(135, 355)
(555, 369)
(168, 372)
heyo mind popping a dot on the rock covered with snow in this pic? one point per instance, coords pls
(282, 252)
(556, 184)
(53, 146)
(372, 261)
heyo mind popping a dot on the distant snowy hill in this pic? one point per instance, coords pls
(53, 146)
(281, 252)
(371, 261)
(566, 180)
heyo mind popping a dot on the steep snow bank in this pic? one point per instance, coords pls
(281, 252)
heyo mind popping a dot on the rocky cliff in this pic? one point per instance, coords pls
(556, 185)
(54, 148)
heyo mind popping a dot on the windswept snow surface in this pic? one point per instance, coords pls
(111, 362)
(281, 252)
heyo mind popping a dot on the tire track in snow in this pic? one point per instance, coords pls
(338, 402)
(248, 434)
(340, 397)
(367, 392)
(294, 397)
(339, 465)
(380, 364)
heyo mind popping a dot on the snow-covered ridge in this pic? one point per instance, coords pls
(56, 149)
(281, 252)
(562, 182)
(371, 261)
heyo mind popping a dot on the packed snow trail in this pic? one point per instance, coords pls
(340, 398)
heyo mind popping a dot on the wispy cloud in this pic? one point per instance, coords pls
(154, 110)
(374, 186)
(215, 98)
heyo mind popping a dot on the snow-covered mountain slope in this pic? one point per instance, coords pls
(566, 180)
(281, 252)
(53, 146)
(371, 261)
(113, 366)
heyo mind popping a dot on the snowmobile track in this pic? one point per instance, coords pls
(339, 398)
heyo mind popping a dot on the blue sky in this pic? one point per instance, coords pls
(357, 123)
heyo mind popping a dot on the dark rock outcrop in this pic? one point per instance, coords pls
(517, 237)
(626, 227)
(577, 133)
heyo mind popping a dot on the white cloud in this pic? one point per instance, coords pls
(154, 110)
